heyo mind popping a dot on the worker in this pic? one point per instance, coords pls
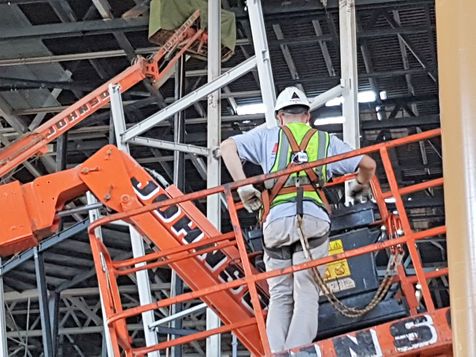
(293, 309)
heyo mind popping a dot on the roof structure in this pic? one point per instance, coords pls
(53, 52)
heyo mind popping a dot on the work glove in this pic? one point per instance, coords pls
(250, 197)
(359, 192)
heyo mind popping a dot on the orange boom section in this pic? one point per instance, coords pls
(33, 217)
(157, 68)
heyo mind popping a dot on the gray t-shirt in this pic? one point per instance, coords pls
(259, 146)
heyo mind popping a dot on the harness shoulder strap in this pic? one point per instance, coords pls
(295, 147)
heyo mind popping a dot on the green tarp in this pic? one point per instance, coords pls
(171, 14)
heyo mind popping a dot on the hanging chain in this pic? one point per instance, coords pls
(348, 311)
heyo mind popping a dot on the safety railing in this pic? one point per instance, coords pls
(399, 234)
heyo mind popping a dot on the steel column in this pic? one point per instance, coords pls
(53, 310)
(43, 302)
(456, 58)
(93, 216)
(349, 76)
(176, 284)
(265, 72)
(137, 243)
(213, 140)
(179, 126)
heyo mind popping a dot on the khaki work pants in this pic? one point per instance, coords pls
(294, 299)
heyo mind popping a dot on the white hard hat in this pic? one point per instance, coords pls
(291, 96)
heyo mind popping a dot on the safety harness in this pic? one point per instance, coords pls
(297, 185)
(302, 186)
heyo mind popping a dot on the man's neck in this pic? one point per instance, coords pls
(294, 120)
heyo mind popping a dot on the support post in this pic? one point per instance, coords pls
(176, 284)
(263, 59)
(3, 321)
(456, 58)
(137, 243)
(213, 141)
(53, 310)
(43, 302)
(349, 75)
(107, 348)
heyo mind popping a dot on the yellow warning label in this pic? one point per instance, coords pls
(340, 268)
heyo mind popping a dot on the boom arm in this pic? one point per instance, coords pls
(29, 214)
(35, 143)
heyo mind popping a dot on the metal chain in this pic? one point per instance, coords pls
(348, 311)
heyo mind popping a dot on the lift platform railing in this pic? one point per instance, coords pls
(399, 234)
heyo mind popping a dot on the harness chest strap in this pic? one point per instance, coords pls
(278, 188)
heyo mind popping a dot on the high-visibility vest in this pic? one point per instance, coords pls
(317, 148)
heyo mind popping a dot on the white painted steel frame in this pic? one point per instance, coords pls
(349, 74)
(263, 59)
(137, 243)
(93, 216)
(190, 98)
(213, 343)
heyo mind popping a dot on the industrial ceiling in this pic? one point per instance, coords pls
(53, 52)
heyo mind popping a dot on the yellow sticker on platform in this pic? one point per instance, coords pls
(340, 268)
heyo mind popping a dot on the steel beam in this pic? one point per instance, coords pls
(169, 145)
(190, 98)
(70, 29)
(179, 315)
(286, 53)
(411, 47)
(324, 49)
(323, 98)
(456, 58)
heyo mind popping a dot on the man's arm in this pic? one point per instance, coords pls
(229, 154)
(359, 188)
(367, 167)
(249, 195)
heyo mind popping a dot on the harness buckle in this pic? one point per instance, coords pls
(300, 157)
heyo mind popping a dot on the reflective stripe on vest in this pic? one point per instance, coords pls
(316, 149)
